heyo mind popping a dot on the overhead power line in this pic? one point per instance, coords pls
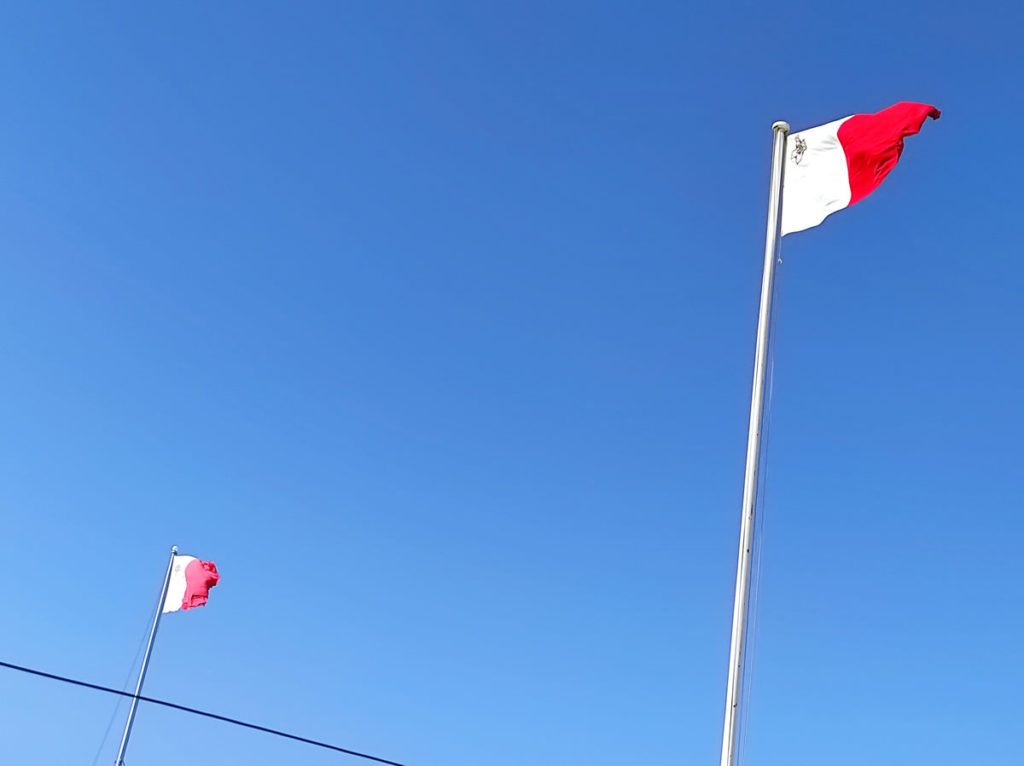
(195, 711)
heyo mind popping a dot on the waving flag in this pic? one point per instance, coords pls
(835, 165)
(190, 583)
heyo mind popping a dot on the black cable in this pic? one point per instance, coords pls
(194, 711)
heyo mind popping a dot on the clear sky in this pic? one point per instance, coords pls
(432, 323)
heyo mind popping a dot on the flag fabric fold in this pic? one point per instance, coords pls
(191, 580)
(835, 165)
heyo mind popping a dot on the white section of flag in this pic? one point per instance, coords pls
(817, 181)
(178, 584)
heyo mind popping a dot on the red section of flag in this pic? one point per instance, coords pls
(200, 576)
(873, 143)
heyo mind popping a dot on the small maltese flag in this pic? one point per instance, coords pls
(191, 580)
(835, 165)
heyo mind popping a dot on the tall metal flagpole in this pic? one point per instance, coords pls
(145, 660)
(739, 613)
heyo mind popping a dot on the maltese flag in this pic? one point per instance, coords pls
(835, 165)
(191, 580)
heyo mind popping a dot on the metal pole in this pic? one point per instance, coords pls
(739, 614)
(145, 661)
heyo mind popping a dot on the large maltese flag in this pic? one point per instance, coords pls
(190, 583)
(835, 165)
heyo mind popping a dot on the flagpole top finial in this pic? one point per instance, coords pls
(174, 549)
(781, 125)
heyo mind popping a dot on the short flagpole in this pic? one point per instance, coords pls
(730, 734)
(145, 661)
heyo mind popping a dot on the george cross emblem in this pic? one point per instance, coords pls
(800, 146)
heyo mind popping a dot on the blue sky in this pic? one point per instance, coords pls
(432, 323)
